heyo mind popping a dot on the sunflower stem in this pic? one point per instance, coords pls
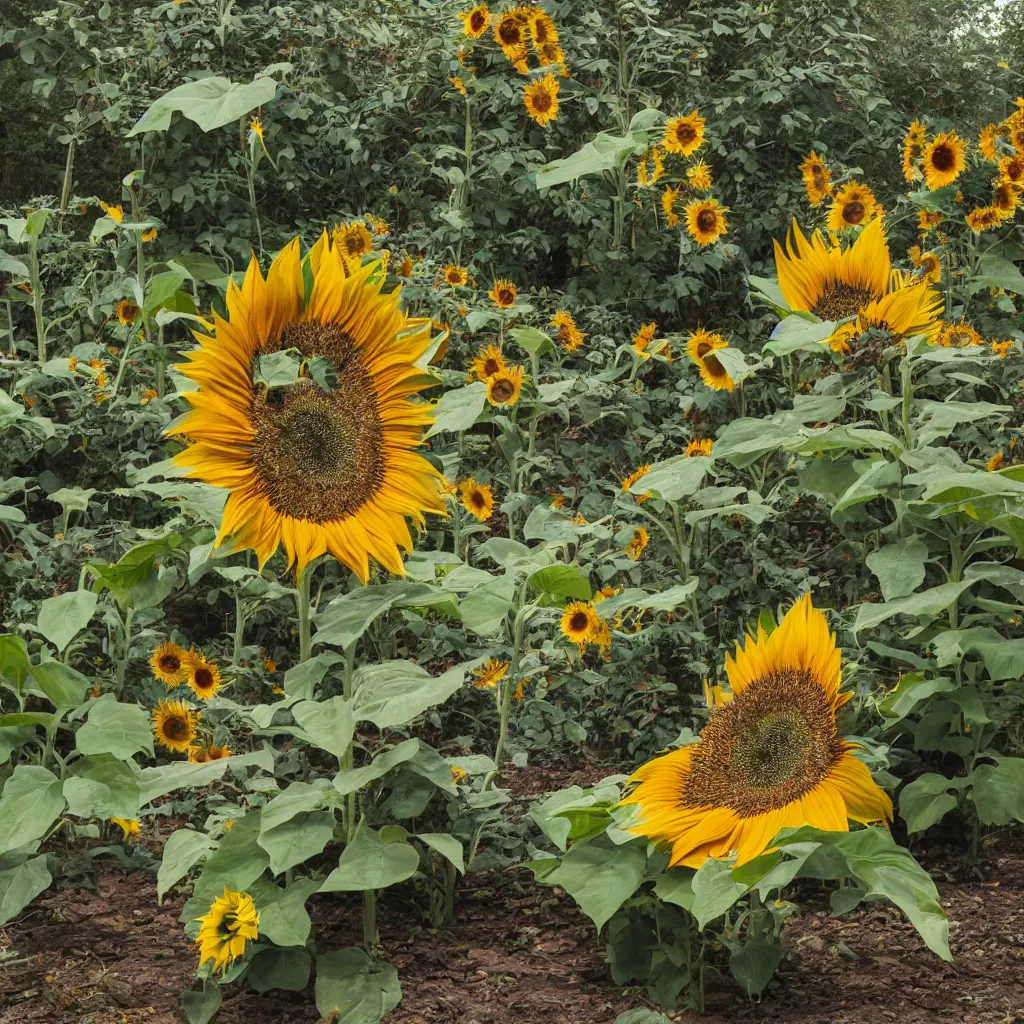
(10, 328)
(121, 366)
(302, 601)
(236, 653)
(122, 662)
(371, 938)
(161, 383)
(510, 683)
(348, 690)
(37, 296)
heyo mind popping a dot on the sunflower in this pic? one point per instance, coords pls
(215, 753)
(1005, 198)
(699, 176)
(928, 220)
(458, 85)
(487, 363)
(541, 99)
(987, 142)
(829, 281)
(911, 307)
(638, 542)
(510, 34)
(406, 267)
(353, 239)
(489, 675)
(684, 135)
(127, 312)
(669, 198)
(602, 639)
(203, 676)
(981, 218)
(817, 179)
(477, 499)
(542, 28)
(943, 160)
(649, 175)
(455, 276)
(854, 205)
(174, 724)
(638, 474)
(770, 757)
(313, 470)
(913, 147)
(1001, 349)
(503, 293)
(569, 335)
(150, 235)
(198, 754)
(643, 338)
(551, 53)
(698, 446)
(256, 127)
(995, 463)
(927, 262)
(701, 349)
(169, 663)
(1015, 133)
(115, 213)
(957, 335)
(231, 921)
(129, 826)
(705, 220)
(475, 21)
(579, 622)
(505, 387)
(1011, 168)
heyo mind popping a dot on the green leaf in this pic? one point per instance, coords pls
(296, 826)
(210, 102)
(641, 1015)
(350, 780)
(20, 885)
(32, 800)
(284, 919)
(354, 988)
(65, 687)
(604, 152)
(448, 846)
(754, 964)
(237, 862)
(675, 478)
(327, 724)
(347, 617)
(459, 409)
(562, 581)
(714, 891)
(113, 728)
(795, 334)
(14, 663)
(998, 791)
(102, 787)
(285, 969)
(182, 851)
(13, 737)
(279, 369)
(601, 876)
(909, 691)
(900, 566)
(200, 1007)
(534, 341)
(396, 692)
(62, 617)
(156, 782)
(368, 862)
(928, 604)
(995, 272)
(676, 886)
(927, 800)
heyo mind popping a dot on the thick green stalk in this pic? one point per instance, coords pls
(37, 297)
(302, 603)
(10, 328)
(236, 654)
(65, 192)
(348, 690)
(140, 256)
(510, 681)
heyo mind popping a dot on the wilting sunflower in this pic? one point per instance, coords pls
(830, 281)
(579, 622)
(651, 166)
(475, 21)
(489, 675)
(353, 240)
(477, 499)
(911, 307)
(995, 463)
(1001, 349)
(510, 30)
(669, 198)
(705, 220)
(927, 221)
(203, 676)
(957, 334)
(770, 756)
(854, 205)
(406, 267)
(684, 135)
(643, 338)
(699, 176)
(569, 335)
(701, 348)
(488, 362)
(455, 276)
(231, 921)
(542, 27)
(216, 753)
(698, 446)
(129, 826)
(505, 387)
(115, 213)
(981, 218)
(197, 754)
(817, 178)
(150, 235)
(308, 469)
(987, 142)
(174, 724)
(503, 293)
(169, 663)
(127, 312)
(943, 160)
(1005, 197)
(541, 99)
(638, 474)
(927, 262)
(458, 85)
(638, 542)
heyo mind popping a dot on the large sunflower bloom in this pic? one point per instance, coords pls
(580, 622)
(477, 499)
(769, 758)
(309, 469)
(510, 34)
(1011, 168)
(127, 312)
(817, 179)
(911, 307)
(475, 21)
(705, 220)
(174, 724)
(829, 281)
(684, 135)
(542, 28)
(701, 348)
(231, 921)
(169, 663)
(540, 98)
(1005, 198)
(569, 335)
(981, 218)
(505, 387)
(943, 160)
(854, 205)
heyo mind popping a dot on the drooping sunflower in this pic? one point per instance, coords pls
(477, 499)
(987, 142)
(698, 446)
(129, 826)
(540, 98)
(569, 335)
(216, 753)
(926, 262)
(669, 198)
(579, 622)
(638, 542)
(828, 280)
(995, 463)
(308, 469)
(817, 178)
(699, 176)
(542, 28)
(455, 276)
(927, 221)
(490, 674)
(913, 147)
(503, 293)
(353, 240)
(638, 474)
(957, 334)
(770, 757)
(505, 387)
(701, 348)
(458, 85)
(643, 338)
(487, 363)
(203, 676)
(651, 167)
(943, 160)
(231, 921)
(981, 218)
(174, 724)
(127, 312)
(705, 220)
(198, 754)
(854, 205)
(475, 21)
(169, 663)
(684, 135)
(911, 307)
(1001, 349)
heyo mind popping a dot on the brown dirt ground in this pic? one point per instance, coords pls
(522, 954)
